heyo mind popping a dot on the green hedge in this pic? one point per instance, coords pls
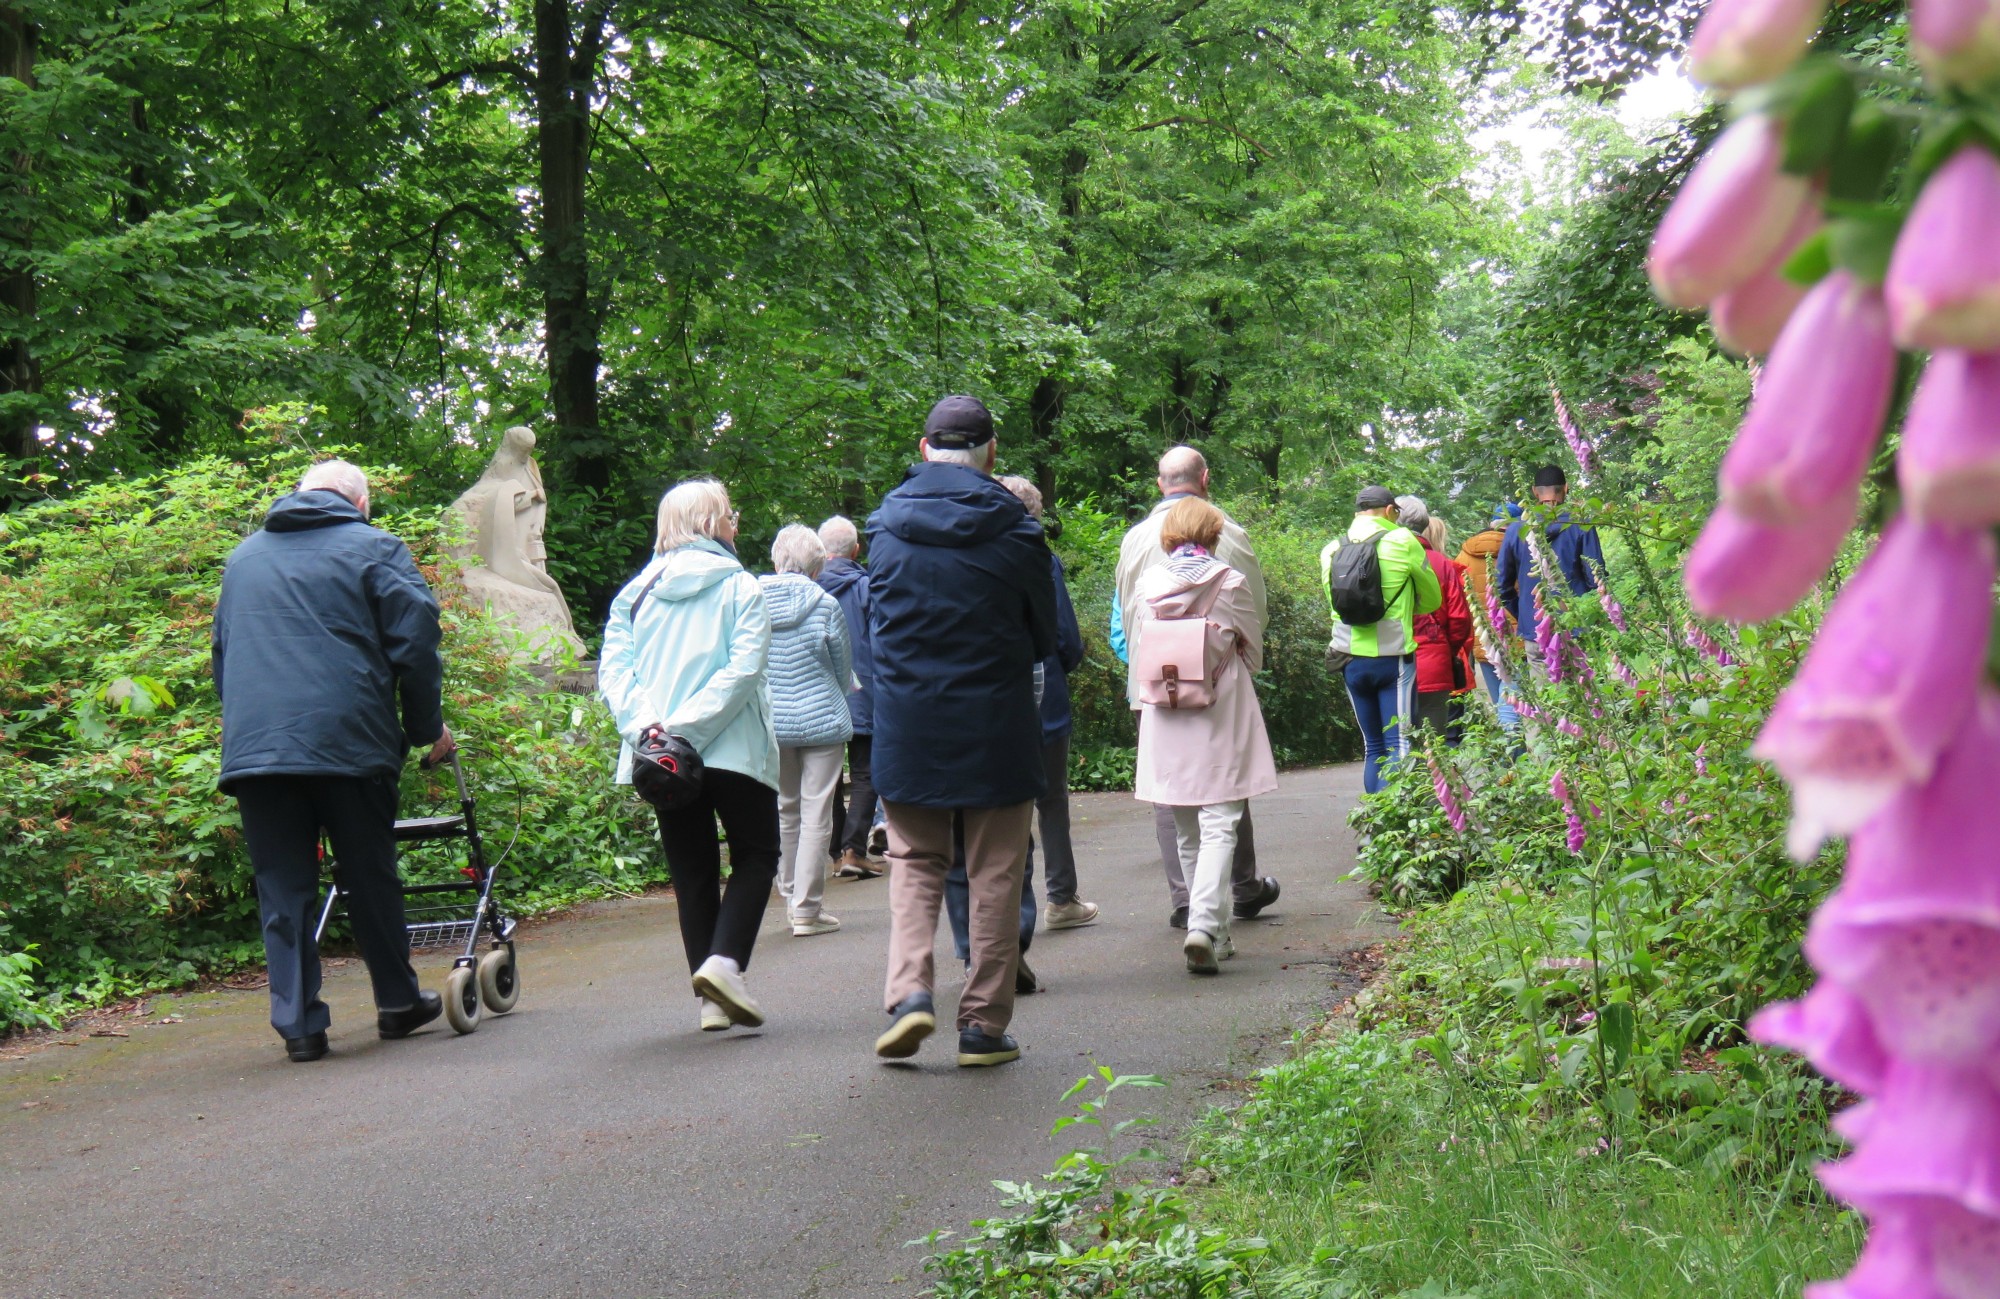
(121, 866)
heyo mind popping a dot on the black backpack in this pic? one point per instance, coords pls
(1354, 582)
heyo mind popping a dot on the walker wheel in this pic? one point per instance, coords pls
(461, 999)
(499, 979)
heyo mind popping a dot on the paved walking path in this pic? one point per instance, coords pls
(594, 1143)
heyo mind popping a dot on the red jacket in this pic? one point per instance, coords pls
(1443, 636)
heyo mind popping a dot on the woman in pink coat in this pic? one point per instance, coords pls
(1203, 762)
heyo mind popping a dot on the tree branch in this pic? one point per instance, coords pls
(484, 68)
(1204, 121)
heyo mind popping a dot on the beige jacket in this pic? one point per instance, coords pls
(1140, 552)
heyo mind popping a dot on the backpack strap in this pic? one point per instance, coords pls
(632, 614)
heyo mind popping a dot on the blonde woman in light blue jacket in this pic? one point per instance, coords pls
(811, 672)
(685, 650)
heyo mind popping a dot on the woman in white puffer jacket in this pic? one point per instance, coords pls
(811, 671)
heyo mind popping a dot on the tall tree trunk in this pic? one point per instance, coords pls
(163, 430)
(20, 370)
(565, 70)
(1045, 411)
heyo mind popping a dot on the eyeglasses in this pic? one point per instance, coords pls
(736, 516)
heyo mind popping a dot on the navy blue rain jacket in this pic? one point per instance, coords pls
(325, 647)
(961, 607)
(847, 582)
(1057, 667)
(1576, 552)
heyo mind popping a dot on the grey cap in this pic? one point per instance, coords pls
(1373, 498)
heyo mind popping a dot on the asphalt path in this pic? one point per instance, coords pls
(595, 1143)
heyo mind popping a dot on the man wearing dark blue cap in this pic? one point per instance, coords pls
(962, 608)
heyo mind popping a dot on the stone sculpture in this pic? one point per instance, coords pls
(505, 562)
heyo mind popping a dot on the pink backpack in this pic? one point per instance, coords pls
(1177, 661)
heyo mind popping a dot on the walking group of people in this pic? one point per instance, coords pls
(1413, 629)
(934, 677)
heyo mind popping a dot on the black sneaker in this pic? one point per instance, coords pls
(392, 1024)
(305, 1050)
(1025, 981)
(976, 1050)
(1267, 893)
(1178, 919)
(916, 1019)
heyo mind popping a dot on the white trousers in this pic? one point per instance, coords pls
(1207, 838)
(807, 778)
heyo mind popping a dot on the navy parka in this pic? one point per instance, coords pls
(962, 605)
(325, 647)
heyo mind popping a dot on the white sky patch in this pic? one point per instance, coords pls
(1529, 144)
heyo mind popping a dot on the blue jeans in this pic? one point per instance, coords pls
(1383, 691)
(958, 897)
(1503, 701)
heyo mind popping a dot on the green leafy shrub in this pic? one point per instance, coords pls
(121, 865)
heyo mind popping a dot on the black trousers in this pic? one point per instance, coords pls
(850, 829)
(716, 921)
(282, 820)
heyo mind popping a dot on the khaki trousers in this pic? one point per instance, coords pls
(996, 851)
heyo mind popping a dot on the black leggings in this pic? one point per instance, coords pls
(717, 921)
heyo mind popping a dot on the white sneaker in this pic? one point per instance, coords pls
(1226, 949)
(1070, 915)
(819, 924)
(1200, 952)
(721, 981)
(714, 1019)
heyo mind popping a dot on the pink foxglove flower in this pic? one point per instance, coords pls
(1889, 680)
(1817, 417)
(1547, 638)
(1956, 41)
(1830, 1027)
(1928, 1131)
(1579, 445)
(1609, 603)
(1447, 797)
(1914, 928)
(1944, 278)
(1699, 639)
(1560, 791)
(1949, 462)
(1495, 614)
(1748, 319)
(1748, 571)
(1741, 43)
(1623, 673)
(1730, 217)
(1701, 759)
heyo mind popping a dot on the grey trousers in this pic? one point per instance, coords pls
(282, 820)
(1052, 813)
(1242, 872)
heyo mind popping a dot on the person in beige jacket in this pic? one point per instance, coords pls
(1184, 475)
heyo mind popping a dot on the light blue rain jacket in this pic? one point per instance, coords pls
(694, 661)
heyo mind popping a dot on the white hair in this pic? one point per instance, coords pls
(980, 457)
(839, 537)
(691, 511)
(1028, 494)
(798, 549)
(336, 476)
(1412, 513)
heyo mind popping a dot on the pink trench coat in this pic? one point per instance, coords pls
(1194, 757)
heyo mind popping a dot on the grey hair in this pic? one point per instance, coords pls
(798, 549)
(1412, 513)
(690, 512)
(979, 457)
(1182, 467)
(1438, 533)
(1028, 494)
(839, 537)
(336, 476)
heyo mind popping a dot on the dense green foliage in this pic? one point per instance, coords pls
(121, 865)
